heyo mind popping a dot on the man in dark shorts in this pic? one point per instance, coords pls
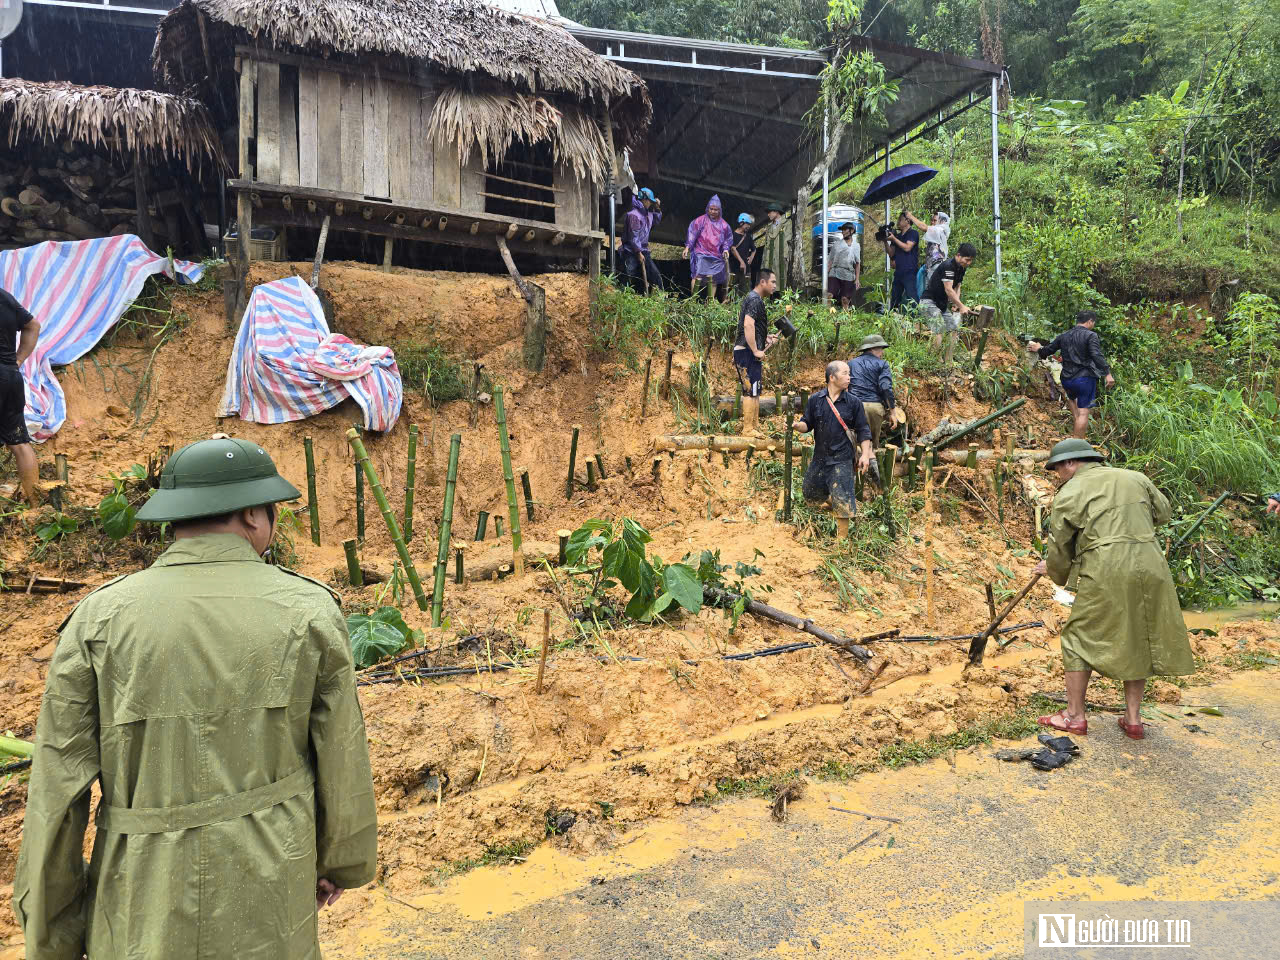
(749, 348)
(941, 305)
(1082, 364)
(837, 420)
(18, 333)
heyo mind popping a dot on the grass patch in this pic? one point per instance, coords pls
(1014, 726)
(495, 854)
(1250, 660)
(429, 368)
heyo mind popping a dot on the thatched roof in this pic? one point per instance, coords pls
(533, 56)
(126, 122)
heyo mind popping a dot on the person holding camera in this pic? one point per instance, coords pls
(749, 348)
(903, 246)
(839, 424)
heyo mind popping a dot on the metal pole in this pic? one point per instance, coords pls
(825, 198)
(613, 229)
(995, 166)
(888, 266)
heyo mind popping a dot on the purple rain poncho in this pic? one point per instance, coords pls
(708, 241)
(638, 225)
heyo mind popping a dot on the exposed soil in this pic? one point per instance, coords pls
(466, 765)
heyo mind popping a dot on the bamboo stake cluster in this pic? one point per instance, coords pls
(380, 497)
(513, 507)
(446, 526)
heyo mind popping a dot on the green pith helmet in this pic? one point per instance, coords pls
(871, 342)
(1073, 448)
(211, 477)
(774, 208)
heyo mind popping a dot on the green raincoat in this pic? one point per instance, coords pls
(214, 697)
(1126, 622)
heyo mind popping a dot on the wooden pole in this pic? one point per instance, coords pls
(408, 483)
(354, 574)
(991, 601)
(982, 346)
(972, 461)
(591, 475)
(315, 266)
(886, 488)
(573, 460)
(786, 467)
(666, 380)
(513, 506)
(362, 458)
(737, 403)
(446, 527)
(359, 504)
(313, 508)
(497, 527)
(928, 546)
(546, 642)
(482, 521)
(528, 493)
(644, 394)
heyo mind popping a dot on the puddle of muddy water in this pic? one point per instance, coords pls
(1217, 619)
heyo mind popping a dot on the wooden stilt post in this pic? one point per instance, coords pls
(313, 508)
(354, 575)
(408, 483)
(513, 506)
(573, 460)
(446, 526)
(380, 497)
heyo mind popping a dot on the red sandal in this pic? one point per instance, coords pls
(1134, 731)
(1059, 721)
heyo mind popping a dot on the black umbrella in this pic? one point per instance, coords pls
(896, 182)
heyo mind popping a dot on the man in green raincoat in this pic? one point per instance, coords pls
(213, 697)
(1126, 622)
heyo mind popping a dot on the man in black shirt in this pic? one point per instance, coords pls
(1082, 364)
(941, 304)
(752, 341)
(18, 333)
(838, 421)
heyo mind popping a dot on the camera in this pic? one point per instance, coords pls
(882, 233)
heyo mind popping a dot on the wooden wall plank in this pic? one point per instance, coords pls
(288, 125)
(447, 174)
(376, 179)
(471, 183)
(574, 212)
(329, 145)
(402, 108)
(309, 127)
(352, 123)
(269, 122)
(422, 149)
(248, 76)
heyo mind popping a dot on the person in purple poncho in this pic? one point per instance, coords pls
(707, 245)
(637, 261)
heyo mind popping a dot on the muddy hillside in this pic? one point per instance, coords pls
(634, 719)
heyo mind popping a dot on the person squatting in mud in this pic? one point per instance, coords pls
(839, 424)
(749, 348)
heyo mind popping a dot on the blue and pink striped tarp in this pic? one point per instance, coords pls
(77, 291)
(286, 365)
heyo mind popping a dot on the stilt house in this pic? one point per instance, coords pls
(448, 121)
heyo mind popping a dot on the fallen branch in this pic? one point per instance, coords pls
(754, 607)
(980, 642)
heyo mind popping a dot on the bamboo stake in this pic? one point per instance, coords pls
(408, 483)
(644, 396)
(972, 461)
(600, 466)
(991, 601)
(482, 521)
(313, 508)
(359, 504)
(546, 640)
(513, 506)
(591, 475)
(528, 492)
(886, 488)
(60, 463)
(362, 457)
(446, 526)
(737, 403)
(666, 380)
(979, 643)
(928, 546)
(13, 747)
(804, 461)
(457, 563)
(354, 574)
(573, 460)
(564, 543)
(497, 527)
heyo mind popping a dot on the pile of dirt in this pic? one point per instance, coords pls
(648, 718)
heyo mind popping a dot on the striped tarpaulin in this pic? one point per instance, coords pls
(77, 291)
(286, 365)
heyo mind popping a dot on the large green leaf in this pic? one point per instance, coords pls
(681, 581)
(117, 516)
(594, 534)
(373, 638)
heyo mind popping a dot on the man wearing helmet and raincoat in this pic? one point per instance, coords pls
(213, 698)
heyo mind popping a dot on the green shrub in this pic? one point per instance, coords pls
(429, 368)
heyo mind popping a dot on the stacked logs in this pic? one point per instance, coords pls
(74, 193)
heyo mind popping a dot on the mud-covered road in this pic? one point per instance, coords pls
(1184, 815)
